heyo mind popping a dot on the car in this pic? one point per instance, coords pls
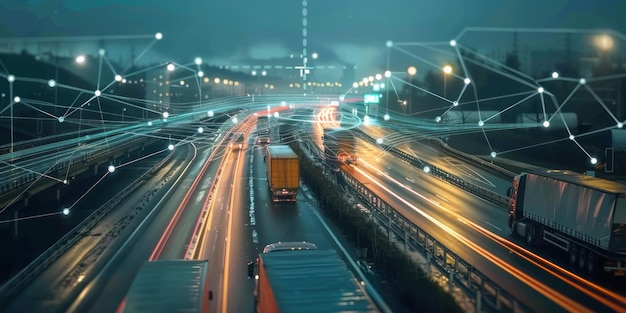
(365, 267)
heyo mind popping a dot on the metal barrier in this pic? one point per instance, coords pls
(480, 191)
(486, 293)
(36, 267)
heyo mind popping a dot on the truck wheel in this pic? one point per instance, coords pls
(590, 266)
(573, 254)
(512, 226)
(582, 259)
(530, 234)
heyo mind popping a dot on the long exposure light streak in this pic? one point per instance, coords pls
(616, 301)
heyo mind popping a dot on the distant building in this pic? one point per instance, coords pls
(158, 89)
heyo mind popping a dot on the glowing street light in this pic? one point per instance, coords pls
(604, 42)
(412, 70)
(80, 59)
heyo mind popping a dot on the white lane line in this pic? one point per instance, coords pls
(494, 226)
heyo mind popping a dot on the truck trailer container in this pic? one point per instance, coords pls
(283, 173)
(263, 130)
(306, 279)
(169, 286)
(582, 215)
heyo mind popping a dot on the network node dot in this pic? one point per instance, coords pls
(61, 119)
(571, 137)
(379, 141)
(540, 90)
(52, 83)
(493, 154)
(171, 67)
(455, 103)
(209, 113)
(66, 182)
(118, 78)
(438, 119)
(11, 78)
(276, 114)
(387, 73)
(386, 117)
(197, 60)
(111, 169)
(17, 99)
(200, 130)
(389, 43)
(467, 81)
(97, 93)
(481, 123)
(452, 43)
(555, 75)
(427, 169)
(170, 147)
(355, 85)
(166, 114)
(149, 123)
(620, 124)
(158, 36)
(546, 124)
(200, 73)
(101, 52)
(66, 211)
(594, 160)
(582, 81)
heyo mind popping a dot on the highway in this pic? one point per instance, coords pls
(477, 231)
(476, 228)
(210, 201)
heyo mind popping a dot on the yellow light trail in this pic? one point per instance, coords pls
(533, 258)
(228, 237)
(550, 293)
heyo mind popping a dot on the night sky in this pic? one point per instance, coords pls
(347, 31)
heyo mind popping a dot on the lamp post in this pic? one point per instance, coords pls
(412, 70)
(446, 70)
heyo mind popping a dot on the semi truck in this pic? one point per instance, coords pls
(298, 277)
(169, 286)
(340, 146)
(263, 130)
(583, 216)
(283, 173)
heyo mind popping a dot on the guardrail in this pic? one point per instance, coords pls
(36, 267)
(487, 294)
(480, 191)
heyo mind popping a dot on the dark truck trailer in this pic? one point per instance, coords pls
(301, 278)
(263, 130)
(169, 286)
(581, 215)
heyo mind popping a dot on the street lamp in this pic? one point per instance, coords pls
(446, 70)
(412, 70)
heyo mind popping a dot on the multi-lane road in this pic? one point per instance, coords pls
(211, 201)
(476, 230)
